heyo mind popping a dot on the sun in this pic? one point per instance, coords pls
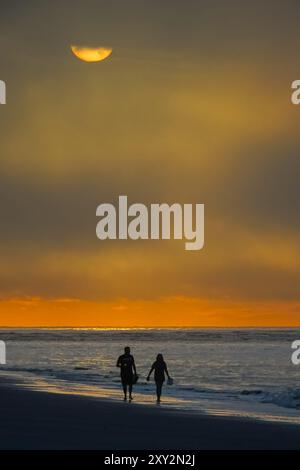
(91, 54)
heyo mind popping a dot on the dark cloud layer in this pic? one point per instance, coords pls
(193, 106)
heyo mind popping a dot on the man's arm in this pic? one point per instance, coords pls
(133, 365)
(119, 362)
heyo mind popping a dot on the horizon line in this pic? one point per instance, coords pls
(147, 327)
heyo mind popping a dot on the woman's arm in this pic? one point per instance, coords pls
(151, 370)
(166, 371)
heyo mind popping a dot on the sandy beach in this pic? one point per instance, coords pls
(41, 420)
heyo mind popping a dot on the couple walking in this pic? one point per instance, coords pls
(129, 375)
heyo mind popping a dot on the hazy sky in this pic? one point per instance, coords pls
(192, 106)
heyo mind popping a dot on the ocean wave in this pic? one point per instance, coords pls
(33, 370)
(149, 335)
(283, 397)
(286, 398)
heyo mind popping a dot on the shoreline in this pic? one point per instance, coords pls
(40, 420)
(244, 410)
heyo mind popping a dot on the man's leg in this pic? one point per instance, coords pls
(130, 391)
(124, 385)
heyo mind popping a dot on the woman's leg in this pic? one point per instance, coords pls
(158, 389)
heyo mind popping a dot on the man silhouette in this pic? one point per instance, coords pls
(127, 371)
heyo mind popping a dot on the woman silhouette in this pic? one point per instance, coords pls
(160, 368)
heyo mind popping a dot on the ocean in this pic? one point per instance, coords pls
(233, 372)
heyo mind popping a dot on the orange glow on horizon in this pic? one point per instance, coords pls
(166, 312)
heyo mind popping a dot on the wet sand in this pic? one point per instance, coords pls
(42, 420)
